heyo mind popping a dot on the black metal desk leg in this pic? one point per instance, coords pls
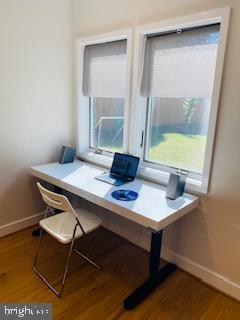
(155, 252)
(156, 276)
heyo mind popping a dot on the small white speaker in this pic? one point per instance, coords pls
(176, 185)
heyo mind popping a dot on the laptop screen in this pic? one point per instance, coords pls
(124, 165)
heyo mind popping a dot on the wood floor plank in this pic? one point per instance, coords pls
(92, 294)
(223, 308)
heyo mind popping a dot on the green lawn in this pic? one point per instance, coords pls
(180, 150)
(176, 149)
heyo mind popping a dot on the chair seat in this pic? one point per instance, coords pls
(61, 225)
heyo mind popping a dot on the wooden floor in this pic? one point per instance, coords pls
(93, 294)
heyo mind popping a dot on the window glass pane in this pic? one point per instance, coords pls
(178, 80)
(106, 123)
(177, 132)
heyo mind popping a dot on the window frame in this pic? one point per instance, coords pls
(156, 172)
(84, 151)
(135, 107)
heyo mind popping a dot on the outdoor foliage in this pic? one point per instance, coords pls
(189, 106)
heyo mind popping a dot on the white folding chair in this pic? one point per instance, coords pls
(65, 227)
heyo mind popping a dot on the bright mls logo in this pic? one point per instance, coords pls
(29, 311)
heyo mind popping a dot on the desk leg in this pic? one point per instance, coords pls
(36, 232)
(156, 275)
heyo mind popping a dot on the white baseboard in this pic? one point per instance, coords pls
(19, 224)
(140, 237)
(208, 276)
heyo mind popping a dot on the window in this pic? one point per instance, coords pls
(156, 97)
(177, 132)
(177, 80)
(106, 123)
(104, 73)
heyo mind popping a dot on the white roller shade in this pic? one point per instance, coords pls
(104, 69)
(181, 65)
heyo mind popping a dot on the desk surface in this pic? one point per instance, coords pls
(151, 209)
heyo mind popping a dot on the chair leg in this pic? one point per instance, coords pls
(66, 267)
(38, 249)
(44, 279)
(59, 293)
(87, 259)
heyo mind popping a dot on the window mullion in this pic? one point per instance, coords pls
(91, 121)
(147, 135)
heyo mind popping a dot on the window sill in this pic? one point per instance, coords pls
(98, 159)
(193, 186)
(158, 176)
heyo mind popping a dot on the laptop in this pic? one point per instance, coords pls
(123, 170)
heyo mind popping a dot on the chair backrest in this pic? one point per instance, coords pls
(55, 200)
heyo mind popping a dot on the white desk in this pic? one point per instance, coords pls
(151, 209)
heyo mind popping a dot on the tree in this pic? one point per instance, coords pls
(189, 106)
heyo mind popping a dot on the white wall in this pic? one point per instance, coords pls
(206, 242)
(36, 114)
